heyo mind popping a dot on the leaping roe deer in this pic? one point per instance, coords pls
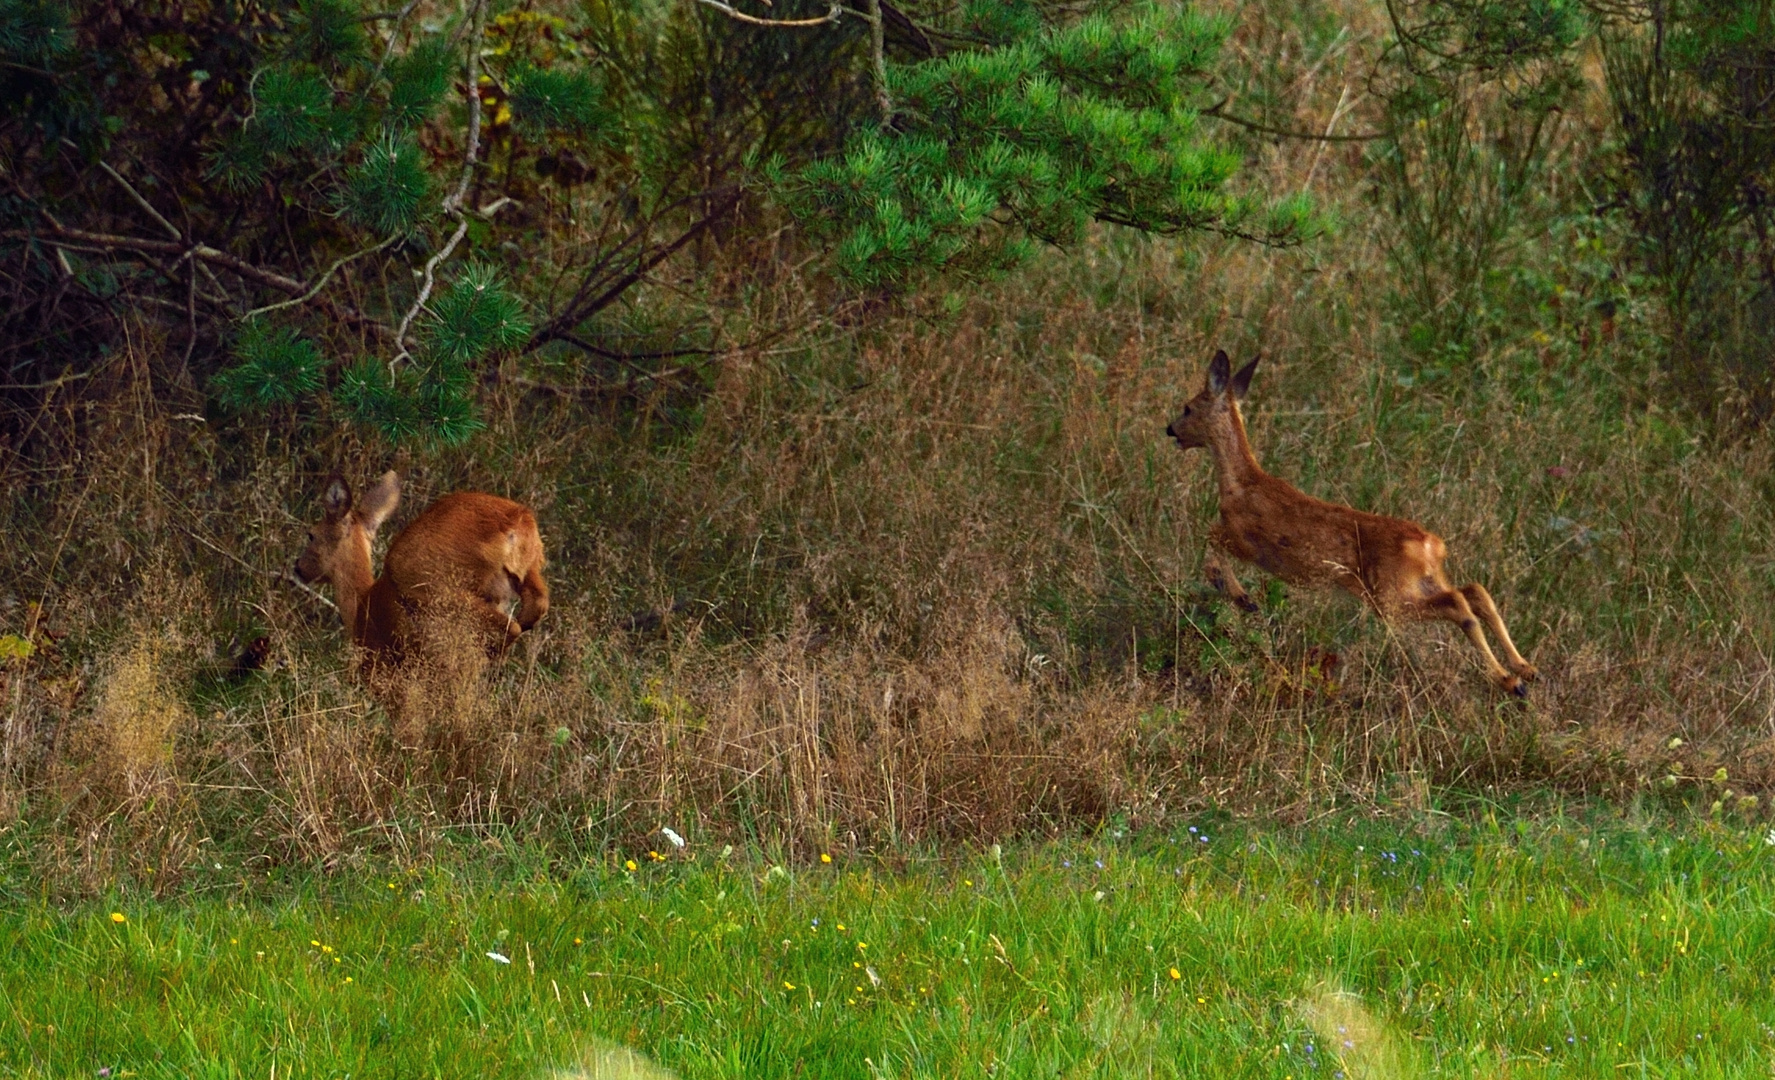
(467, 558)
(1395, 565)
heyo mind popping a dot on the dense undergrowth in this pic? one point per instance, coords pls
(869, 575)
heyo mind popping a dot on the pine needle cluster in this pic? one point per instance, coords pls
(994, 150)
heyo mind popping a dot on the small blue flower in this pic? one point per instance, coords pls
(1099, 863)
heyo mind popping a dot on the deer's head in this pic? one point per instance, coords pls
(339, 545)
(1215, 405)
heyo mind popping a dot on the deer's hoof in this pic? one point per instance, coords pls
(1246, 604)
(1516, 687)
(1528, 672)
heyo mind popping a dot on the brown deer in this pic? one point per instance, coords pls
(469, 556)
(1393, 564)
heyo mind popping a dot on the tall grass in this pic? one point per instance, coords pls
(928, 574)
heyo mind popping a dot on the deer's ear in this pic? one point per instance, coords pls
(1242, 379)
(337, 499)
(380, 501)
(1218, 370)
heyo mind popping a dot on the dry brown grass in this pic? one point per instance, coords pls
(935, 578)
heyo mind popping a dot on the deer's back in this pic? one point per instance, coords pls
(467, 540)
(1311, 542)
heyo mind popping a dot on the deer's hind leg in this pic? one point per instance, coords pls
(1452, 606)
(1481, 603)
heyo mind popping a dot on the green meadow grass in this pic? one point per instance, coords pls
(1544, 950)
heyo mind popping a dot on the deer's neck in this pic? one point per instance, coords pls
(352, 579)
(1235, 466)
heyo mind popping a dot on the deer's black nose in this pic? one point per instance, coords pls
(1169, 432)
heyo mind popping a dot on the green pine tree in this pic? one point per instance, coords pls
(996, 148)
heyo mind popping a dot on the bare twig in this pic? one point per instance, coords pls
(322, 282)
(1343, 102)
(141, 201)
(877, 51)
(190, 319)
(394, 34)
(1218, 112)
(290, 577)
(832, 15)
(52, 384)
(425, 288)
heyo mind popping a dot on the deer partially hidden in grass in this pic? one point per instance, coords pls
(1395, 565)
(464, 561)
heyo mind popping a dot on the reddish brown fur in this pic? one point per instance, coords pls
(1393, 564)
(469, 555)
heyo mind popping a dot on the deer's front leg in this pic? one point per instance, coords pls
(1219, 575)
(533, 596)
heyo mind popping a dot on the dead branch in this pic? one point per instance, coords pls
(74, 239)
(578, 309)
(321, 283)
(453, 201)
(832, 15)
